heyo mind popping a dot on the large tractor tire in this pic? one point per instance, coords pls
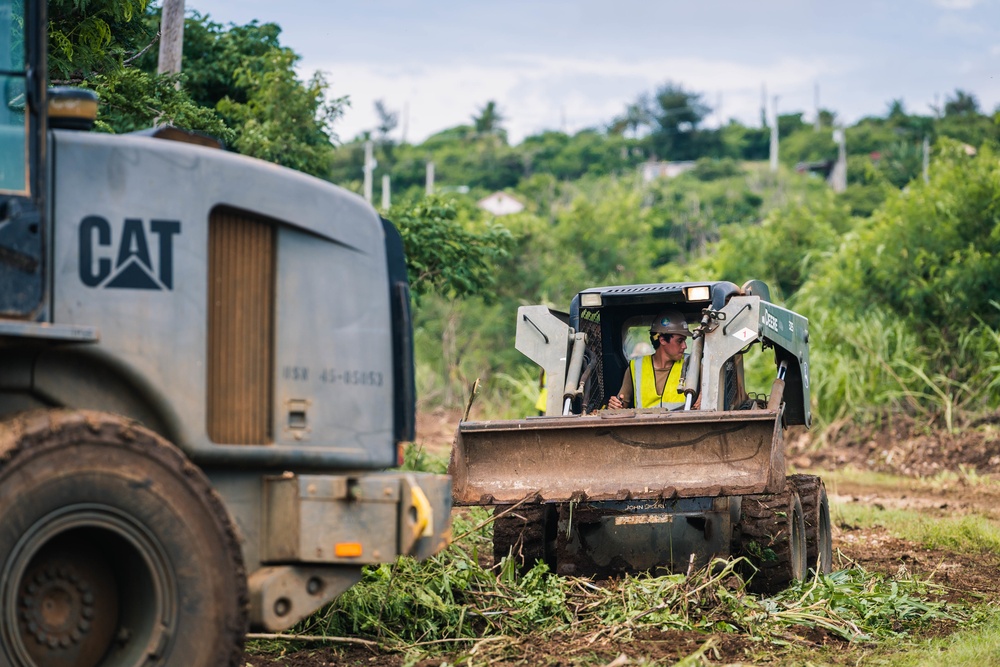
(114, 549)
(772, 538)
(527, 534)
(816, 514)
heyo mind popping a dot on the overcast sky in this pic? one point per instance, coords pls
(567, 65)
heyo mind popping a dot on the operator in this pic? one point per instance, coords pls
(658, 374)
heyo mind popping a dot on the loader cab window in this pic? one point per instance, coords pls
(13, 99)
(635, 337)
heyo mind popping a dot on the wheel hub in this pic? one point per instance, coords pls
(67, 610)
(57, 607)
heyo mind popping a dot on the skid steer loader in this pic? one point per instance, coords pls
(600, 492)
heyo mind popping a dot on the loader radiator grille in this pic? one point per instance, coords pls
(241, 261)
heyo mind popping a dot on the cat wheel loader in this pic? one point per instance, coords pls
(598, 492)
(205, 367)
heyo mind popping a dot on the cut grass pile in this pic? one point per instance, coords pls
(451, 601)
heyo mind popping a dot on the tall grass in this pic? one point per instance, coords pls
(866, 368)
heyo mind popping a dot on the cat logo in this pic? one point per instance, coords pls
(133, 265)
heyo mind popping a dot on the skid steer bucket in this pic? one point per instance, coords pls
(618, 456)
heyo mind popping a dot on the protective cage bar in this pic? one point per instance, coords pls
(240, 365)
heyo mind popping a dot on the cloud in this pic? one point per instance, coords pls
(535, 93)
(956, 4)
(954, 25)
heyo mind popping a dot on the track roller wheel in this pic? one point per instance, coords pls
(772, 537)
(816, 513)
(114, 549)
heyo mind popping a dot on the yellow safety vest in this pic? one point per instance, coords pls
(644, 386)
(543, 400)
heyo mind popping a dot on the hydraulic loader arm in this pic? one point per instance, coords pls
(747, 319)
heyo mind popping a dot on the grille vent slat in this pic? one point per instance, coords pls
(240, 328)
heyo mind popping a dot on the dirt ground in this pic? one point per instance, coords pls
(902, 448)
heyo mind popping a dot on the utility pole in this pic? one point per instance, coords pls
(774, 137)
(368, 168)
(838, 177)
(430, 178)
(927, 160)
(385, 192)
(816, 124)
(171, 36)
(406, 121)
(763, 105)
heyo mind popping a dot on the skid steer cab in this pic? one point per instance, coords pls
(595, 491)
(206, 367)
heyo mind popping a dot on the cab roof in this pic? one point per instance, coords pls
(711, 292)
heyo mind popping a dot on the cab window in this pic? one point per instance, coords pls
(13, 99)
(635, 337)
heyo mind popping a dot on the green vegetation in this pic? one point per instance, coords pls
(451, 605)
(978, 646)
(237, 83)
(896, 274)
(428, 608)
(964, 534)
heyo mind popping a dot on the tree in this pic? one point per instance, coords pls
(827, 118)
(99, 45)
(930, 255)
(783, 250)
(284, 120)
(635, 118)
(213, 53)
(387, 121)
(962, 104)
(237, 84)
(248, 78)
(489, 119)
(445, 256)
(896, 111)
(676, 114)
(95, 37)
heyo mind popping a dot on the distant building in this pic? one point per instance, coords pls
(653, 170)
(500, 203)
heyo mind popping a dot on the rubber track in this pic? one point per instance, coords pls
(765, 522)
(30, 433)
(809, 488)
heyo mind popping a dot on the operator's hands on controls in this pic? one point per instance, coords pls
(616, 402)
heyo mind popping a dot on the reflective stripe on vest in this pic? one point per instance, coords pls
(644, 386)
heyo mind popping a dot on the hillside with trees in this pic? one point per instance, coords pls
(896, 272)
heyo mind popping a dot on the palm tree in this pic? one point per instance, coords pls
(962, 104)
(489, 119)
